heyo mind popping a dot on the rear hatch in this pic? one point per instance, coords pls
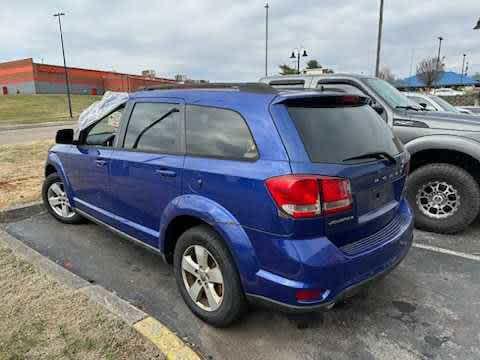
(344, 137)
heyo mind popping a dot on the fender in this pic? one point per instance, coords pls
(55, 161)
(223, 222)
(445, 142)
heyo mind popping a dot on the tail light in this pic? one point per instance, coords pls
(305, 196)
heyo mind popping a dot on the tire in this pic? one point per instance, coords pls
(233, 303)
(463, 197)
(50, 181)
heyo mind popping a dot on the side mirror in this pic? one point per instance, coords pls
(64, 136)
(424, 105)
(378, 108)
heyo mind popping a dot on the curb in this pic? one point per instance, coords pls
(21, 212)
(34, 126)
(169, 344)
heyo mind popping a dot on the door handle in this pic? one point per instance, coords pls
(100, 162)
(165, 172)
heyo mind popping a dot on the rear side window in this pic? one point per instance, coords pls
(334, 134)
(163, 137)
(220, 133)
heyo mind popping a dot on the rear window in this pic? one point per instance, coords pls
(334, 134)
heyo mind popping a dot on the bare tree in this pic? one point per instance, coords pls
(429, 71)
(386, 74)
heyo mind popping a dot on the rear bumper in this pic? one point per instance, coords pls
(322, 265)
(326, 305)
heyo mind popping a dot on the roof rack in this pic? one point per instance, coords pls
(247, 87)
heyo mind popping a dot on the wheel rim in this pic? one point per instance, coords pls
(202, 278)
(438, 199)
(58, 200)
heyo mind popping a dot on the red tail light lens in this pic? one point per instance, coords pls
(298, 196)
(336, 195)
(304, 196)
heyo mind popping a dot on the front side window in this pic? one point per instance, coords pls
(103, 132)
(154, 127)
(213, 132)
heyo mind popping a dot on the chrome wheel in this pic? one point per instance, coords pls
(58, 201)
(438, 199)
(202, 278)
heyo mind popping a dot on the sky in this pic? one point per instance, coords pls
(225, 40)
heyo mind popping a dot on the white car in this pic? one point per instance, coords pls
(447, 92)
(434, 103)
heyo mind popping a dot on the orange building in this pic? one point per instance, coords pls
(26, 77)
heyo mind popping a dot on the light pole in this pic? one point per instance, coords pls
(266, 38)
(440, 39)
(297, 54)
(379, 39)
(463, 66)
(59, 15)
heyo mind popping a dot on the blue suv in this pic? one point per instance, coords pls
(291, 198)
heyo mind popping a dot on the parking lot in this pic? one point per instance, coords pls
(428, 308)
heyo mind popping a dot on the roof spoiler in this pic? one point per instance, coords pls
(319, 99)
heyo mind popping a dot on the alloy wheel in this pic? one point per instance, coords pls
(202, 278)
(438, 199)
(58, 200)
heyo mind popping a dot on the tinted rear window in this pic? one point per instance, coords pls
(333, 134)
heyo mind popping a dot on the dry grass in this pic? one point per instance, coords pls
(21, 172)
(29, 109)
(41, 319)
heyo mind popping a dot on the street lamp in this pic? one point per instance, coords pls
(379, 39)
(297, 54)
(59, 15)
(440, 39)
(266, 38)
(463, 66)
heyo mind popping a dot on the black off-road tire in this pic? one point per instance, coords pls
(462, 181)
(234, 303)
(49, 180)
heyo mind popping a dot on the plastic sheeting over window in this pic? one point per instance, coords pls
(99, 109)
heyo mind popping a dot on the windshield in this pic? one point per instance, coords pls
(387, 92)
(444, 104)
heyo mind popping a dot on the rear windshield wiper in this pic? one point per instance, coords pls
(373, 155)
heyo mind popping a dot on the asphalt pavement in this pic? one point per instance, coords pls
(428, 308)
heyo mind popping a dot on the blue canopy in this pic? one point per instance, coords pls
(448, 78)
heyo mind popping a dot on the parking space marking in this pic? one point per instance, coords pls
(447, 251)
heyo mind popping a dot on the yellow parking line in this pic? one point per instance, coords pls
(165, 340)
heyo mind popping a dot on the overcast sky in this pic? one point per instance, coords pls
(224, 40)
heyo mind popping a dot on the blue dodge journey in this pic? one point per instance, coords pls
(294, 199)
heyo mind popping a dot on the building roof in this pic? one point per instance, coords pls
(448, 78)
